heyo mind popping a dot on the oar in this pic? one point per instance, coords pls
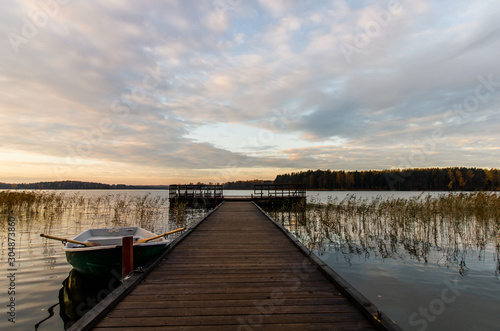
(145, 240)
(88, 243)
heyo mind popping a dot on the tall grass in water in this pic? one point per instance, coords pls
(141, 211)
(29, 203)
(178, 212)
(148, 211)
(109, 210)
(453, 224)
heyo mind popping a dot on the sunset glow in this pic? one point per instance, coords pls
(184, 91)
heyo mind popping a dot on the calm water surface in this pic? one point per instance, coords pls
(430, 292)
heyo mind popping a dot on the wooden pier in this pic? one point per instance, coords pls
(271, 195)
(236, 270)
(277, 195)
(200, 194)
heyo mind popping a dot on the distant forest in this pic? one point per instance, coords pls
(421, 179)
(76, 185)
(426, 179)
(245, 185)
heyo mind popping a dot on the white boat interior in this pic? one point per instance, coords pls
(112, 236)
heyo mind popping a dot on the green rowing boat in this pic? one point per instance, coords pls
(101, 260)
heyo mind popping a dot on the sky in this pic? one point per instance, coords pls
(180, 91)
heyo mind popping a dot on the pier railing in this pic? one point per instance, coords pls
(206, 194)
(279, 191)
(270, 194)
(195, 191)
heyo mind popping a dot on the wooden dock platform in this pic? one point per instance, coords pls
(238, 270)
(269, 195)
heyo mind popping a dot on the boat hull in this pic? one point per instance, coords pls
(102, 262)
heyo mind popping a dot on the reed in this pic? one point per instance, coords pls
(30, 203)
(107, 210)
(453, 224)
(148, 208)
(178, 212)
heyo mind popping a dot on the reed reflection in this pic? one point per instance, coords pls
(450, 228)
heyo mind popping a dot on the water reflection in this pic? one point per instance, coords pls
(51, 313)
(449, 229)
(80, 294)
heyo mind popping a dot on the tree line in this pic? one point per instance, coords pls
(419, 179)
(77, 185)
(245, 184)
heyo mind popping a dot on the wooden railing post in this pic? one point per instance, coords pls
(127, 256)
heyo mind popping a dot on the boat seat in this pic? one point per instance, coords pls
(109, 240)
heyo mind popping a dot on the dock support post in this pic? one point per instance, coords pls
(127, 256)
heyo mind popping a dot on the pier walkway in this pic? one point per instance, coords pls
(238, 270)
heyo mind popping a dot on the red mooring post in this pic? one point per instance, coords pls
(127, 256)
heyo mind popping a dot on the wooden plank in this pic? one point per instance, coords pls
(276, 296)
(347, 326)
(330, 318)
(148, 311)
(233, 290)
(145, 301)
(216, 279)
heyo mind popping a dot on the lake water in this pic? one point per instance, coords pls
(455, 289)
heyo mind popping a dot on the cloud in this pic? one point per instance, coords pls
(133, 84)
